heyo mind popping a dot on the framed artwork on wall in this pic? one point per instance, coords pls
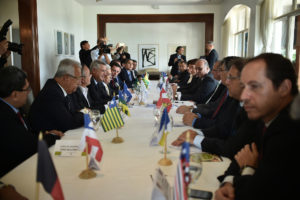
(66, 43)
(148, 56)
(72, 44)
(59, 42)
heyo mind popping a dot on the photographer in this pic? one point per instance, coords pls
(4, 53)
(103, 51)
(7, 46)
(121, 54)
(174, 59)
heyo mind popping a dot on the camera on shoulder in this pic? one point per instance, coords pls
(103, 48)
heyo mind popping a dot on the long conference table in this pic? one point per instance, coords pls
(125, 169)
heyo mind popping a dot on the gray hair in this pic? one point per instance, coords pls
(204, 61)
(96, 64)
(108, 67)
(210, 42)
(66, 67)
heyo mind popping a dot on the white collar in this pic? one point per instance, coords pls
(64, 91)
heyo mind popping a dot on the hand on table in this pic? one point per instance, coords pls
(183, 109)
(247, 156)
(226, 192)
(55, 132)
(182, 137)
(188, 118)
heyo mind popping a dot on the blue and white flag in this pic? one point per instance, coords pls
(126, 93)
(113, 102)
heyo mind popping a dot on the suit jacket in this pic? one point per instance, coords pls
(209, 108)
(125, 77)
(214, 144)
(79, 101)
(206, 87)
(276, 176)
(52, 110)
(224, 116)
(190, 87)
(174, 70)
(16, 142)
(96, 93)
(211, 58)
(134, 74)
(183, 78)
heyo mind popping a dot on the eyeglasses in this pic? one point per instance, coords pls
(75, 77)
(232, 77)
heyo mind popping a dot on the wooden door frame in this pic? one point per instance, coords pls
(29, 37)
(208, 19)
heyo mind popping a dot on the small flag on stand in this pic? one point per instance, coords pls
(121, 98)
(124, 109)
(182, 178)
(164, 100)
(164, 129)
(113, 102)
(111, 119)
(90, 139)
(46, 173)
(126, 93)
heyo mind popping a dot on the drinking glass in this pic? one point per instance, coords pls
(95, 118)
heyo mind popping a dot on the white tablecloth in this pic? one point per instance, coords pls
(125, 168)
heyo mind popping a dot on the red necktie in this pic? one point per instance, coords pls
(219, 106)
(21, 119)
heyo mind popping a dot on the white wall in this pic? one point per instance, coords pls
(191, 35)
(90, 17)
(9, 10)
(67, 16)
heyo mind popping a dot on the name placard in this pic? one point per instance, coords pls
(67, 148)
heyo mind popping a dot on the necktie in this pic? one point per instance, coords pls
(107, 90)
(22, 120)
(219, 106)
(261, 142)
(68, 102)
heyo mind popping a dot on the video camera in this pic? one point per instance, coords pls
(12, 46)
(104, 48)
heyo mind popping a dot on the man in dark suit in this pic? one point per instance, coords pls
(134, 71)
(115, 83)
(126, 75)
(52, 108)
(96, 88)
(205, 86)
(262, 169)
(17, 142)
(213, 139)
(81, 98)
(211, 55)
(85, 53)
(174, 59)
(183, 75)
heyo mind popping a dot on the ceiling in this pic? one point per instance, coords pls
(147, 2)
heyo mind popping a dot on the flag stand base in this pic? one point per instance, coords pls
(87, 174)
(117, 140)
(165, 162)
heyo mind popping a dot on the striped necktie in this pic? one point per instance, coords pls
(22, 120)
(220, 105)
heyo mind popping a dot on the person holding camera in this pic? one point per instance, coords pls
(4, 53)
(174, 59)
(102, 53)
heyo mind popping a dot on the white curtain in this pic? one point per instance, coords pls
(267, 14)
(227, 38)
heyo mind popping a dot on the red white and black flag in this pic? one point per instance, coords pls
(46, 173)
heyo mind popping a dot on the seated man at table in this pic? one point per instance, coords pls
(205, 86)
(81, 98)
(52, 108)
(17, 142)
(213, 139)
(183, 75)
(97, 89)
(115, 83)
(126, 75)
(264, 168)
